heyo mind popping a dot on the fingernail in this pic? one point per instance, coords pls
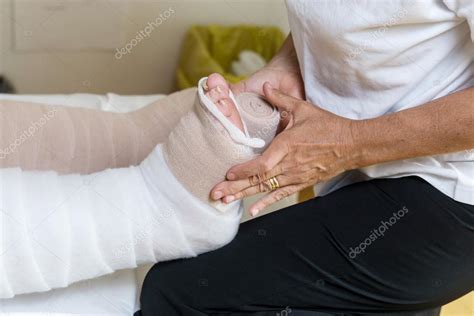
(217, 195)
(229, 198)
(219, 89)
(231, 176)
(254, 212)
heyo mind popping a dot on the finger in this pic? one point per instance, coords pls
(279, 99)
(245, 193)
(265, 186)
(226, 188)
(270, 158)
(273, 197)
(229, 188)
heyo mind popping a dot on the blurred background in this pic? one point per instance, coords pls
(70, 46)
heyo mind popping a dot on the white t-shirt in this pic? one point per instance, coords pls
(364, 60)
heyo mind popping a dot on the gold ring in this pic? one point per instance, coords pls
(274, 183)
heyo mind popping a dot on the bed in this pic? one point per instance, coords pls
(114, 294)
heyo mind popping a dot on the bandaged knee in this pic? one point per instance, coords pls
(60, 229)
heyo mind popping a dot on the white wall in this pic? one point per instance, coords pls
(35, 64)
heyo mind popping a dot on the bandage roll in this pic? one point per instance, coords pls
(260, 118)
(204, 145)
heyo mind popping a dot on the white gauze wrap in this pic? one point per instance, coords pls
(60, 229)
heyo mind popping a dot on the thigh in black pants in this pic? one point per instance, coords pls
(381, 246)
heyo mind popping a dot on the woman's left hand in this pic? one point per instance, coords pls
(314, 146)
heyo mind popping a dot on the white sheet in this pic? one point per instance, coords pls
(115, 294)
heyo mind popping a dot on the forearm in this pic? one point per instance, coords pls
(437, 127)
(282, 72)
(286, 58)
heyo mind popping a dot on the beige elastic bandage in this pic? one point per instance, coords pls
(77, 140)
(204, 144)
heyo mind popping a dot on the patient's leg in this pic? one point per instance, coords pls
(60, 229)
(76, 140)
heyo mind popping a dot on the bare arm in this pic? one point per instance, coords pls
(441, 126)
(318, 145)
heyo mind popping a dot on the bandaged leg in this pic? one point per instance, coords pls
(60, 229)
(75, 140)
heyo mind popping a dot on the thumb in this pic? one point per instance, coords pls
(277, 98)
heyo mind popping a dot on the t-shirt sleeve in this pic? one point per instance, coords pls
(463, 9)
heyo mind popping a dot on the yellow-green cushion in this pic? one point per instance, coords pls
(212, 48)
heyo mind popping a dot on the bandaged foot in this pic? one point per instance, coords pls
(217, 89)
(60, 229)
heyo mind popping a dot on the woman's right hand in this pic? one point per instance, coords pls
(282, 72)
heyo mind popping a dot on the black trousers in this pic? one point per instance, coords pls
(395, 246)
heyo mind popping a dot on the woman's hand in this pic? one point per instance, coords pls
(282, 72)
(315, 145)
(289, 82)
